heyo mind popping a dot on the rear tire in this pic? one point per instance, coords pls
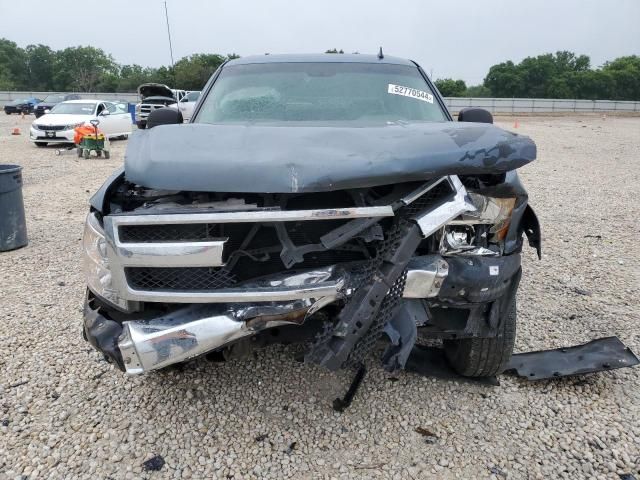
(484, 357)
(41, 144)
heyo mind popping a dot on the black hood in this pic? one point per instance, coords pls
(154, 90)
(289, 159)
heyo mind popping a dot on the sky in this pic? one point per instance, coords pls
(450, 39)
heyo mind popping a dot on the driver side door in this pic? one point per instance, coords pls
(117, 121)
(106, 122)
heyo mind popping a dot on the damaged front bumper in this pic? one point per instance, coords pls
(137, 345)
(393, 290)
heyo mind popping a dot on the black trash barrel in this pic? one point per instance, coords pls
(13, 225)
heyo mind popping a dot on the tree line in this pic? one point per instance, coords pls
(560, 75)
(89, 69)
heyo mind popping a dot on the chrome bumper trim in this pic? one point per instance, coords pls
(240, 295)
(149, 345)
(425, 275)
(200, 328)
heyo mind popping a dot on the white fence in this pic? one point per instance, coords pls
(494, 105)
(540, 105)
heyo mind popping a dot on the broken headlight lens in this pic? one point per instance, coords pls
(96, 263)
(479, 232)
(494, 211)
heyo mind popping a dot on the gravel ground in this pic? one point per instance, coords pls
(66, 413)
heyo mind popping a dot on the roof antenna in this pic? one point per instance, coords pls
(380, 54)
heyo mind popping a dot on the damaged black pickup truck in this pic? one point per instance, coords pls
(328, 200)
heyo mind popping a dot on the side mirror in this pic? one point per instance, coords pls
(104, 113)
(473, 114)
(164, 116)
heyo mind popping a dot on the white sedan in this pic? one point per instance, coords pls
(57, 126)
(187, 104)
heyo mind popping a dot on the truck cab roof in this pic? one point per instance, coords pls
(321, 58)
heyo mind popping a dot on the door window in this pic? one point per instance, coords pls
(112, 108)
(121, 108)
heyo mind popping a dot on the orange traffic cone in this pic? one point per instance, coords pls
(516, 124)
(16, 131)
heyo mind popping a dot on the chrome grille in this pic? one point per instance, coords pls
(146, 109)
(435, 195)
(206, 257)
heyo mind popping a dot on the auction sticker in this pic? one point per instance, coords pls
(410, 92)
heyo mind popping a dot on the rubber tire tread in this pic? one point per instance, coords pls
(484, 357)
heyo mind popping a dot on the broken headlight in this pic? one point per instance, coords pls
(495, 212)
(71, 126)
(96, 263)
(479, 232)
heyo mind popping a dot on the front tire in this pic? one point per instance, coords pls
(484, 357)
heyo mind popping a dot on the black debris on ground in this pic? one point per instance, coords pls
(582, 291)
(497, 472)
(154, 464)
(429, 437)
(341, 404)
(18, 384)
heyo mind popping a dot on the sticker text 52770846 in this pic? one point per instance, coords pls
(410, 92)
